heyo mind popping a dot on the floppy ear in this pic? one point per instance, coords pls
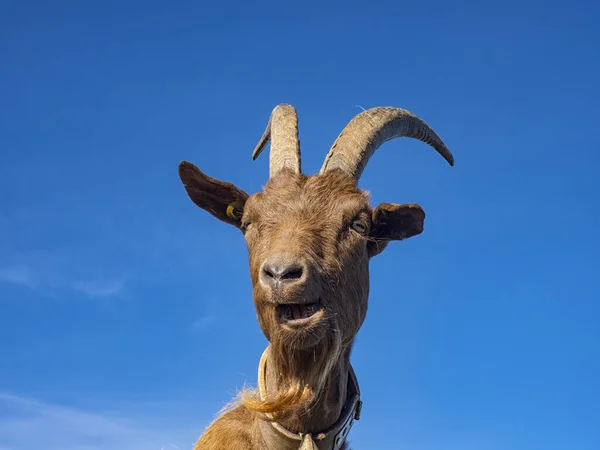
(223, 200)
(392, 222)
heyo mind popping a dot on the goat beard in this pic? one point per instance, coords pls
(301, 376)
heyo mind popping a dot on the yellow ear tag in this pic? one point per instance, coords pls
(230, 210)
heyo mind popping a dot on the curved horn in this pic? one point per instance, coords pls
(282, 130)
(368, 130)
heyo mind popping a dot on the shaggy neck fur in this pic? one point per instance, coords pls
(327, 417)
(326, 385)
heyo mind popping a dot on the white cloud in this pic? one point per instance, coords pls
(19, 275)
(204, 322)
(28, 423)
(42, 278)
(100, 288)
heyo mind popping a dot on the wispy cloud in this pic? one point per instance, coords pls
(28, 423)
(105, 253)
(43, 278)
(204, 322)
(18, 275)
(101, 288)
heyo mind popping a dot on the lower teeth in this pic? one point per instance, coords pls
(307, 311)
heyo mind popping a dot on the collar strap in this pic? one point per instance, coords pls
(278, 437)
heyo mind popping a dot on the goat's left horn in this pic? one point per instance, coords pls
(282, 130)
(368, 130)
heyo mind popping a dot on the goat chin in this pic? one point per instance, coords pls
(302, 338)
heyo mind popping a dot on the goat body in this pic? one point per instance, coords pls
(310, 240)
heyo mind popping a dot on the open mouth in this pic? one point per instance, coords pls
(297, 312)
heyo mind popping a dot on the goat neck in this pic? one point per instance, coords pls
(325, 424)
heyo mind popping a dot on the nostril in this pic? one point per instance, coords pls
(274, 271)
(292, 273)
(268, 272)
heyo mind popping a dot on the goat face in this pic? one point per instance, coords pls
(310, 238)
(308, 252)
(309, 242)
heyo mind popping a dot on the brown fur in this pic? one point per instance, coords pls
(312, 219)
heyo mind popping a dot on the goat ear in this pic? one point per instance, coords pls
(223, 200)
(392, 222)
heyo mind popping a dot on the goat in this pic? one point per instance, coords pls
(309, 239)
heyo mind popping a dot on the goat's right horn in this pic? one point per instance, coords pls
(368, 130)
(282, 130)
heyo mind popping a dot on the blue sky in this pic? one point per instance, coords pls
(126, 319)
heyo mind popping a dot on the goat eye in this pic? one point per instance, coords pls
(247, 225)
(359, 226)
